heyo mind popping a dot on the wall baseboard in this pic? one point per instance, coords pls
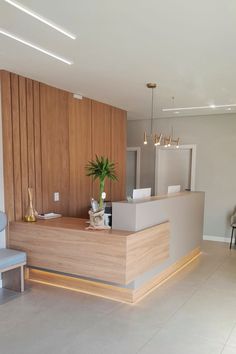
(216, 238)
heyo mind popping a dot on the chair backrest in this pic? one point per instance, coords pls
(3, 220)
(233, 218)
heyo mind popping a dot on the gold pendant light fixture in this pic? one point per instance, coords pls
(158, 139)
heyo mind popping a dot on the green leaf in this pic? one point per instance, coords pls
(101, 168)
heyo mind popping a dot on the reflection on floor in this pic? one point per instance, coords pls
(193, 313)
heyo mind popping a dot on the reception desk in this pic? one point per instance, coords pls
(150, 240)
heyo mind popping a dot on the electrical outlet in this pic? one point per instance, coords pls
(56, 196)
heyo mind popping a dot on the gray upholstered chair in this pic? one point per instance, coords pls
(233, 225)
(11, 261)
(3, 221)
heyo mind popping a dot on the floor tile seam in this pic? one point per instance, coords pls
(227, 340)
(213, 271)
(210, 275)
(203, 283)
(222, 350)
(67, 346)
(178, 309)
(166, 322)
(229, 346)
(189, 298)
(225, 259)
(106, 345)
(149, 340)
(91, 326)
(211, 287)
(220, 343)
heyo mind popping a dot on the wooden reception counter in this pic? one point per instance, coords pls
(119, 264)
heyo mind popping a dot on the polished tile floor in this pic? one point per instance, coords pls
(192, 313)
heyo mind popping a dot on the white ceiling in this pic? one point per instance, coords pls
(187, 47)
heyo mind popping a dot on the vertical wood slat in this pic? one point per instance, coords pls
(24, 143)
(80, 154)
(55, 148)
(45, 148)
(30, 132)
(7, 144)
(101, 140)
(16, 145)
(37, 148)
(118, 139)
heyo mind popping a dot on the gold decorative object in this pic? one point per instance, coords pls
(31, 213)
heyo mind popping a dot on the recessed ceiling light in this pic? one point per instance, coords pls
(199, 107)
(41, 18)
(29, 44)
(77, 96)
(176, 112)
(229, 109)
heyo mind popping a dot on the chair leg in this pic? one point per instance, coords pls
(232, 234)
(12, 279)
(22, 280)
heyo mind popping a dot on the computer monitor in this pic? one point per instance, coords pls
(141, 193)
(174, 189)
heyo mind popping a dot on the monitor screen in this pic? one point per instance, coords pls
(141, 193)
(174, 189)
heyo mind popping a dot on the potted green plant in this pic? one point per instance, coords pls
(101, 168)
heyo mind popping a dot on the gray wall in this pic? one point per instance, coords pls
(215, 137)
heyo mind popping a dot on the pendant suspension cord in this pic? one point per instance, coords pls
(152, 115)
(173, 106)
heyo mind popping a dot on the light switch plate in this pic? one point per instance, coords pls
(56, 196)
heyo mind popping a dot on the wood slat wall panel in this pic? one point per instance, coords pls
(118, 145)
(7, 144)
(16, 145)
(80, 154)
(48, 139)
(101, 140)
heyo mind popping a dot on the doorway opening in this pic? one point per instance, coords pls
(132, 169)
(175, 167)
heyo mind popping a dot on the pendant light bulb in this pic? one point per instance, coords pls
(156, 140)
(169, 142)
(177, 145)
(145, 138)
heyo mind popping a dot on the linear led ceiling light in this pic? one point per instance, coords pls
(41, 18)
(29, 44)
(212, 106)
